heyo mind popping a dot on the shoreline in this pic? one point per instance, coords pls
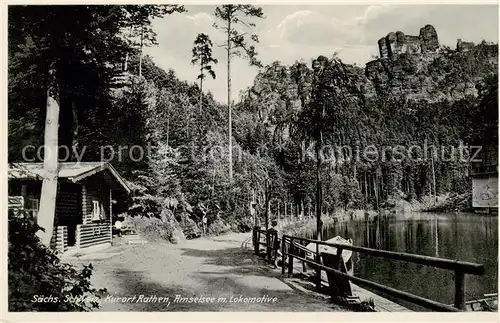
(307, 225)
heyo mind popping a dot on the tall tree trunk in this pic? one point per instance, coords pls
(188, 125)
(318, 195)
(267, 204)
(366, 188)
(74, 109)
(371, 192)
(213, 182)
(381, 187)
(355, 174)
(405, 181)
(201, 90)
(168, 126)
(140, 53)
(433, 178)
(48, 196)
(229, 99)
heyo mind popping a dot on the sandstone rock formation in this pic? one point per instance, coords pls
(398, 42)
(417, 68)
(428, 39)
(463, 46)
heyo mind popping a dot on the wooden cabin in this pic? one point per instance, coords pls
(84, 203)
(485, 180)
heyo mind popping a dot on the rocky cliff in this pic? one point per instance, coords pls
(417, 67)
(398, 43)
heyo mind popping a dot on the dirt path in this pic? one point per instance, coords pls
(221, 268)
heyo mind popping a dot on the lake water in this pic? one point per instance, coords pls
(465, 237)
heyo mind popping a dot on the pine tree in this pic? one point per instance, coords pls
(66, 41)
(202, 55)
(233, 17)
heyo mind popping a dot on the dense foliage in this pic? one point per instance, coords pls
(287, 98)
(38, 280)
(293, 139)
(184, 165)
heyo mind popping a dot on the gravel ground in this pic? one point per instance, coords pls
(220, 272)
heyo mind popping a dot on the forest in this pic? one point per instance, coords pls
(279, 142)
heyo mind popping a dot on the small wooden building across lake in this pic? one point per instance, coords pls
(84, 204)
(485, 179)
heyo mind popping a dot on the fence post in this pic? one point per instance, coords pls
(254, 240)
(290, 258)
(318, 270)
(339, 289)
(275, 247)
(283, 255)
(459, 289)
(258, 240)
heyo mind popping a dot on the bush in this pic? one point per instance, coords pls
(145, 205)
(218, 227)
(35, 271)
(154, 229)
(244, 225)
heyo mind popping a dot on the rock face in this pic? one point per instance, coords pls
(416, 68)
(463, 46)
(399, 43)
(428, 39)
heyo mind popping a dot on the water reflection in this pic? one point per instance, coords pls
(466, 237)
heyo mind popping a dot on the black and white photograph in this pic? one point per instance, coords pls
(260, 157)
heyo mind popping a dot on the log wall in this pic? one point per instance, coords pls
(88, 235)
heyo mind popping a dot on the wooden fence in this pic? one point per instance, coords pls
(292, 247)
(270, 239)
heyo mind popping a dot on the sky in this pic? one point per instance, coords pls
(301, 32)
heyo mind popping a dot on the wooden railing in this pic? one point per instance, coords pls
(293, 248)
(268, 237)
(460, 268)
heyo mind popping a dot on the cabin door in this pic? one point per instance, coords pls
(68, 209)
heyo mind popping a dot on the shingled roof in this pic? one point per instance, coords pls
(73, 171)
